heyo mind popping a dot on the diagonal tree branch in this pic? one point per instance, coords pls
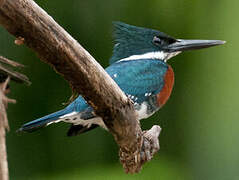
(25, 19)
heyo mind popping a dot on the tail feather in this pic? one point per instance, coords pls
(42, 122)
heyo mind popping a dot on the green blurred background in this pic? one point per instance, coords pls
(200, 121)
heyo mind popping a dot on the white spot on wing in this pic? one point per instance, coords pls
(117, 44)
(147, 94)
(115, 75)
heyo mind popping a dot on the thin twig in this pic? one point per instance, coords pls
(5, 74)
(6, 68)
(7, 61)
(3, 126)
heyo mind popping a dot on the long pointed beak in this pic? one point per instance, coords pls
(184, 45)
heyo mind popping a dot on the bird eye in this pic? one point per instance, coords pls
(157, 40)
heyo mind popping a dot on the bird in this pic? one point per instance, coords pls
(139, 66)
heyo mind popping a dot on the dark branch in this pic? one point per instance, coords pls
(25, 19)
(3, 126)
(6, 71)
(5, 75)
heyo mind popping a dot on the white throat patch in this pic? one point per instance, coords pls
(152, 55)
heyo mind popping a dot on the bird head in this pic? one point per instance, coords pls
(133, 43)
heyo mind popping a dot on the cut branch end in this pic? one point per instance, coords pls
(148, 143)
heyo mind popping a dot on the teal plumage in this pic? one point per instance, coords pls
(128, 38)
(140, 80)
(139, 66)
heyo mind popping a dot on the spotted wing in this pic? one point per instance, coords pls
(139, 79)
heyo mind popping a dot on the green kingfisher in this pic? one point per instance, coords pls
(139, 66)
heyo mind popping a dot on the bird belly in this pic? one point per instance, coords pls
(142, 111)
(145, 109)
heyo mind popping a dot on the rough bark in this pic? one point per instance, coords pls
(4, 126)
(35, 28)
